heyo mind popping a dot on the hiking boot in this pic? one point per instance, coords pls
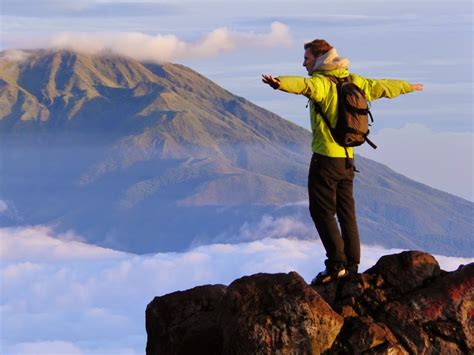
(352, 268)
(327, 276)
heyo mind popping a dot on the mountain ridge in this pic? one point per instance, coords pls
(111, 142)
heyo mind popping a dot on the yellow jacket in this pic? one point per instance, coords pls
(318, 88)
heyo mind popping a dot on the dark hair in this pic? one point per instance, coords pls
(318, 47)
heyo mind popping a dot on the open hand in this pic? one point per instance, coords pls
(273, 82)
(417, 87)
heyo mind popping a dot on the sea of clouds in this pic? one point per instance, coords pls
(62, 296)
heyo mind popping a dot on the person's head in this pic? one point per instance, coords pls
(313, 50)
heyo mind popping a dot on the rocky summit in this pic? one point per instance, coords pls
(405, 304)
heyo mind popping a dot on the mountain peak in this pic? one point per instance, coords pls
(65, 89)
(48, 75)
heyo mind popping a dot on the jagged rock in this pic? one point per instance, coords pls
(277, 314)
(437, 318)
(181, 322)
(407, 270)
(362, 335)
(359, 292)
(404, 304)
(427, 309)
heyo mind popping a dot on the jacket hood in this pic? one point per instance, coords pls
(330, 61)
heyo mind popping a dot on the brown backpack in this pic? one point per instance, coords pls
(352, 127)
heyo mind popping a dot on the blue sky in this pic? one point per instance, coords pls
(233, 42)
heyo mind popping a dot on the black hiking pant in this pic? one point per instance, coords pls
(330, 188)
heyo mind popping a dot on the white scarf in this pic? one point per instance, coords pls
(330, 61)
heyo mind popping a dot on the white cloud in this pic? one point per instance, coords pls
(443, 160)
(270, 227)
(169, 47)
(93, 299)
(14, 55)
(39, 243)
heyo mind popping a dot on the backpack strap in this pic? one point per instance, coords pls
(323, 115)
(337, 80)
(331, 130)
(319, 110)
(370, 142)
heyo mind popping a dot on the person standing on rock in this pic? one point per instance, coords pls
(331, 171)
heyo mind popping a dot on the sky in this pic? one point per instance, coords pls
(426, 136)
(59, 295)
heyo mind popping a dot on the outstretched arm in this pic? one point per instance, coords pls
(389, 88)
(312, 88)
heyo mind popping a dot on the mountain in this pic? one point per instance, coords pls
(145, 157)
(404, 304)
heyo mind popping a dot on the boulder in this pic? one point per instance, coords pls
(277, 314)
(180, 322)
(437, 319)
(407, 270)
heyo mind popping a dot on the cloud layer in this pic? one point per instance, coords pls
(164, 48)
(63, 296)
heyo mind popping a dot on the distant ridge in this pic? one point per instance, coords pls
(145, 157)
